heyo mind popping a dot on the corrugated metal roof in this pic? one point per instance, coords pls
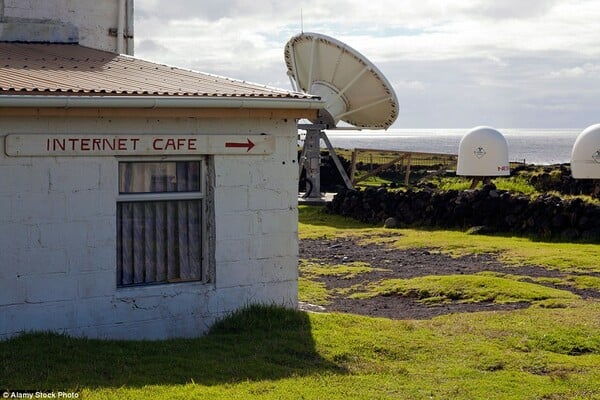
(70, 69)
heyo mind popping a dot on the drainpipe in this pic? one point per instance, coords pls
(120, 25)
(129, 27)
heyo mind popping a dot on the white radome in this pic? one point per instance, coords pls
(585, 156)
(483, 151)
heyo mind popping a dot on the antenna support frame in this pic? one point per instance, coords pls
(310, 160)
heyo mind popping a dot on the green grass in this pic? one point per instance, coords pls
(550, 350)
(516, 184)
(315, 223)
(313, 292)
(373, 181)
(342, 271)
(465, 289)
(574, 257)
(269, 353)
(584, 282)
(569, 257)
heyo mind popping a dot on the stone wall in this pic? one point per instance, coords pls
(558, 178)
(489, 209)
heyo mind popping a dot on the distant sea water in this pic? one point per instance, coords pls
(534, 146)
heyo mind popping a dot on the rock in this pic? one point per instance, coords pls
(591, 235)
(479, 230)
(569, 234)
(303, 306)
(391, 222)
(486, 211)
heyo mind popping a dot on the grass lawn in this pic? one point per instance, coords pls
(539, 352)
(574, 257)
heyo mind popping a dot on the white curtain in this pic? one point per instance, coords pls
(159, 241)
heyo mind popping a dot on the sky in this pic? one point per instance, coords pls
(452, 63)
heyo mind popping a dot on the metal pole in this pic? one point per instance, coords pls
(337, 161)
(312, 161)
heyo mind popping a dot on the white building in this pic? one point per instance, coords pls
(137, 200)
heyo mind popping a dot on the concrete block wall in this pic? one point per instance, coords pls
(69, 21)
(58, 236)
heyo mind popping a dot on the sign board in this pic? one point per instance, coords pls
(132, 145)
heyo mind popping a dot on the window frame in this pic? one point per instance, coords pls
(202, 195)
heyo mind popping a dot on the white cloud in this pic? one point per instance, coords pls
(500, 53)
(509, 9)
(587, 70)
(409, 85)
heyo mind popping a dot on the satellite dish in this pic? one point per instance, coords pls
(585, 156)
(483, 152)
(354, 89)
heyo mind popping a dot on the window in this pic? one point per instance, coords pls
(160, 222)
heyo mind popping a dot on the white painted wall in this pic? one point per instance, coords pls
(85, 21)
(58, 236)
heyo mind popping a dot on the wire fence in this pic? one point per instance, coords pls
(367, 159)
(372, 162)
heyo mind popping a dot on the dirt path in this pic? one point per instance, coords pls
(409, 264)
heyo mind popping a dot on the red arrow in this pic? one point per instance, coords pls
(249, 144)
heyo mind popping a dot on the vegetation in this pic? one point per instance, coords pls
(464, 288)
(569, 257)
(515, 184)
(269, 353)
(376, 181)
(550, 350)
(437, 170)
(313, 292)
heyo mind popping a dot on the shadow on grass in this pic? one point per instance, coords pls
(257, 343)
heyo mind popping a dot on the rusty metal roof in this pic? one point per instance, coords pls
(70, 69)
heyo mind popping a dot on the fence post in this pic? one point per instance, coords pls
(407, 174)
(353, 166)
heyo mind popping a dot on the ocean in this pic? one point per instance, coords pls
(533, 146)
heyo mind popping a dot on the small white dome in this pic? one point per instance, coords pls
(483, 151)
(585, 157)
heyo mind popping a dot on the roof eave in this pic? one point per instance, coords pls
(61, 101)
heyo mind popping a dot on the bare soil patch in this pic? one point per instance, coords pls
(407, 264)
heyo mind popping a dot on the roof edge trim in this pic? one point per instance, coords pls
(155, 102)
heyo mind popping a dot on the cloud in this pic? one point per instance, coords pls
(409, 85)
(566, 107)
(457, 61)
(150, 46)
(587, 70)
(181, 10)
(510, 9)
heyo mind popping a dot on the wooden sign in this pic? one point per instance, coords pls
(131, 145)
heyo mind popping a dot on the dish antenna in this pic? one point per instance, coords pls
(354, 91)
